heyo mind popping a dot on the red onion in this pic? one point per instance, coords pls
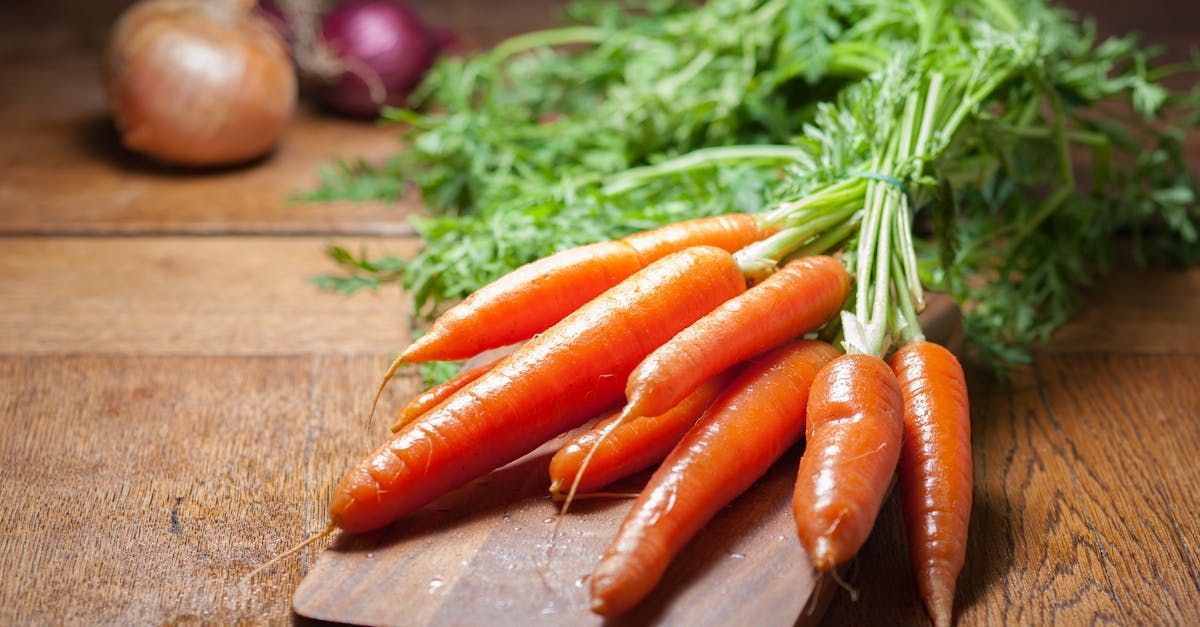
(383, 49)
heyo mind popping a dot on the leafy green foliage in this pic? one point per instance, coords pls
(1044, 145)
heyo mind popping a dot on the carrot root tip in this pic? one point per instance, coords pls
(324, 533)
(939, 602)
(833, 572)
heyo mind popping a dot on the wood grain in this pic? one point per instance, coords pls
(1135, 311)
(180, 295)
(142, 488)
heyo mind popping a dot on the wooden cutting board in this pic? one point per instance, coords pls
(486, 554)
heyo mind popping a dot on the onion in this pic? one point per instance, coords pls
(383, 49)
(198, 82)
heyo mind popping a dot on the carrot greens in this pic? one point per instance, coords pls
(992, 150)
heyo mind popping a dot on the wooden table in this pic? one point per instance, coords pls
(176, 399)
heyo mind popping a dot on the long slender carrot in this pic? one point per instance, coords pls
(554, 382)
(799, 298)
(854, 415)
(935, 470)
(633, 445)
(532, 298)
(753, 421)
(430, 398)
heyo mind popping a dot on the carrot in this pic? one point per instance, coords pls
(799, 298)
(854, 415)
(631, 446)
(554, 382)
(750, 424)
(532, 298)
(935, 470)
(428, 399)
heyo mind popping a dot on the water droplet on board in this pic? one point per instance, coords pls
(582, 580)
(435, 584)
(548, 520)
(370, 556)
(737, 556)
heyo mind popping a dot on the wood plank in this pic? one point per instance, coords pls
(1135, 311)
(189, 295)
(145, 488)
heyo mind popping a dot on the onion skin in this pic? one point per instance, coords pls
(198, 83)
(389, 41)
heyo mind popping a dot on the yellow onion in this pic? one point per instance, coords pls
(198, 82)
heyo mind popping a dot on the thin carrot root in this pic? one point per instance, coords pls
(810, 608)
(562, 512)
(324, 533)
(387, 377)
(833, 572)
(558, 496)
(586, 461)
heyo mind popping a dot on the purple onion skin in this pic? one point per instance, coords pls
(385, 36)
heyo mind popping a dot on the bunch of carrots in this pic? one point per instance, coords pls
(704, 370)
(713, 345)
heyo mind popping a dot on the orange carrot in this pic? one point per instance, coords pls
(935, 470)
(553, 383)
(750, 424)
(633, 445)
(430, 398)
(802, 296)
(854, 415)
(532, 298)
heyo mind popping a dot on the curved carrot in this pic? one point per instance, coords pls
(430, 398)
(802, 296)
(554, 382)
(535, 296)
(935, 470)
(633, 445)
(753, 421)
(854, 415)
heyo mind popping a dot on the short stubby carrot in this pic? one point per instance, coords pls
(854, 423)
(802, 296)
(535, 296)
(749, 426)
(935, 470)
(633, 445)
(430, 398)
(553, 383)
